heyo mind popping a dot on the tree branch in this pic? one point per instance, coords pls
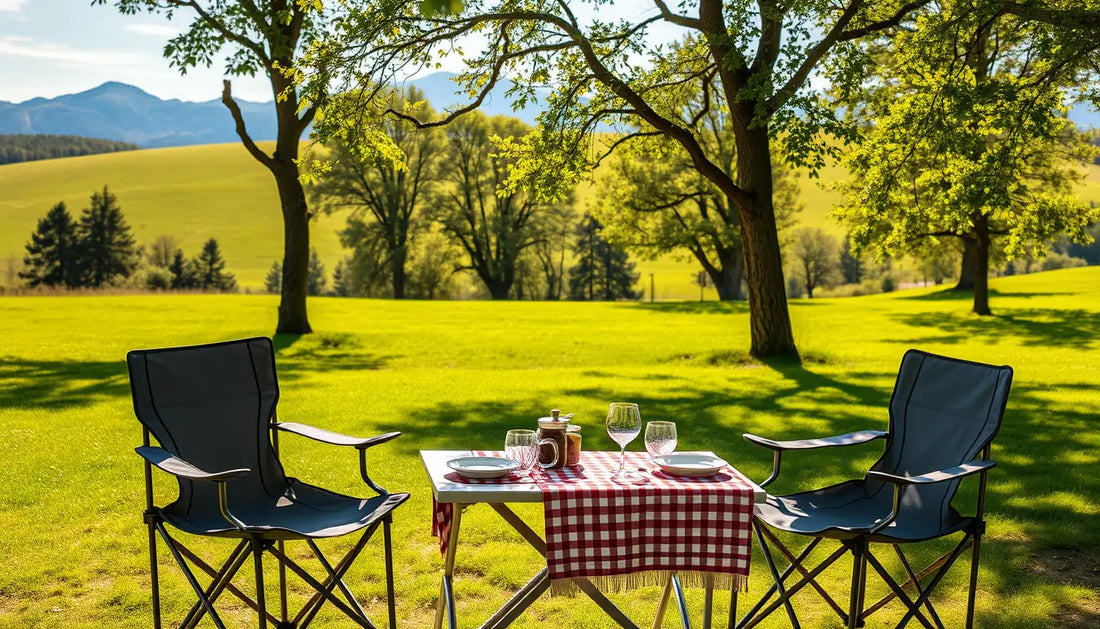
(227, 100)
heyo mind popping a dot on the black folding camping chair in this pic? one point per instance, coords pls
(943, 413)
(212, 410)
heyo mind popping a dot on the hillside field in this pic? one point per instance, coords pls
(197, 192)
(458, 374)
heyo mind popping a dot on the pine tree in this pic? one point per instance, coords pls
(602, 271)
(52, 256)
(316, 281)
(210, 269)
(107, 249)
(183, 272)
(851, 266)
(340, 279)
(273, 282)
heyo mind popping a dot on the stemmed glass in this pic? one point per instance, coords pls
(624, 423)
(660, 438)
(522, 446)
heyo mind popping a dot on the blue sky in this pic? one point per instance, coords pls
(54, 47)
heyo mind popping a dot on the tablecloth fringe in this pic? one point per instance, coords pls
(658, 578)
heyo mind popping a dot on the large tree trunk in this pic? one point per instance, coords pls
(769, 320)
(499, 289)
(981, 271)
(969, 268)
(728, 275)
(397, 266)
(292, 305)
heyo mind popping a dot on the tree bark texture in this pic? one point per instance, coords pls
(981, 271)
(969, 267)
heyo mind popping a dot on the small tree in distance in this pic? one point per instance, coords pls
(273, 282)
(52, 256)
(107, 249)
(814, 257)
(182, 272)
(602, 272)
(210, 270)
(316, 276)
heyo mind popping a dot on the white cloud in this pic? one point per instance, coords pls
(12, 6)
(146, 28)
(31, 48)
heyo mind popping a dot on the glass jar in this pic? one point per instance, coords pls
(573, 449)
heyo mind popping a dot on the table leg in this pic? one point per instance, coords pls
(520, 601)
(446, 593)
(659, 619)
(708, 600)
(586, 586)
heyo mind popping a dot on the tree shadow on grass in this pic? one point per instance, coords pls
(955, 294)
(65, 384)
(1047, 327)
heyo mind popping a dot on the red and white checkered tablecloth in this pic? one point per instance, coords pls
(628, 535)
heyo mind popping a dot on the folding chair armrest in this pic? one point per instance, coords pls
(166, 461)
(334, 438)
(779, 447)
(938, 476)
(848, 439)
(337, 439)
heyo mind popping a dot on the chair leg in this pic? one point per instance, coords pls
(390, 599)
(858, 561)
(973, 580)
(775, 576)
(155, 574)
(261, 598)
(282, 589)
(862, 590)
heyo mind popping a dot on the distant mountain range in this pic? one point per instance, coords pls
(117, 111)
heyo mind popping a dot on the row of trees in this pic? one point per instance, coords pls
(90, 253)
(98, 251)
(750, 63)
(451, 206)
(29, 147)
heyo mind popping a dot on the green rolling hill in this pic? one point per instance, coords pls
(197, 192)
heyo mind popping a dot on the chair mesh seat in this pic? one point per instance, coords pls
(303, 511)
(848, 510)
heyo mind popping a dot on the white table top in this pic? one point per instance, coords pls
(435, 464)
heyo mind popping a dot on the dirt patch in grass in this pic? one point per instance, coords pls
(1072, 567)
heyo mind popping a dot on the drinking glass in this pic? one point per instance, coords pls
(522, 446)
(624, 422)
(660, 438)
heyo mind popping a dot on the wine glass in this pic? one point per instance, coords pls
(522, 446)
(660, 438)
(624, 422)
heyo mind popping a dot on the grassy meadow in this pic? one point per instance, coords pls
(458, 374)
(196, 192)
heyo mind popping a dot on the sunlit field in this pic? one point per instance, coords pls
(198, 192)
(458, 374)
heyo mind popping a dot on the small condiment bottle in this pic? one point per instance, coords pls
(573, 450)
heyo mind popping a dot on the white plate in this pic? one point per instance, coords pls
(482, 466)
(690, 464)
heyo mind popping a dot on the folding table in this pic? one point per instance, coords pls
(499, 496)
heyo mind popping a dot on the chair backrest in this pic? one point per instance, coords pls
(211, 406)
(943, 413)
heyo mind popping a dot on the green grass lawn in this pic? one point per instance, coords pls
(458, 374)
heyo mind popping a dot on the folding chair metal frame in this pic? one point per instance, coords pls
(859, 546)
(256, 544)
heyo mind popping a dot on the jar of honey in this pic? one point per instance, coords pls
(573, 448)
